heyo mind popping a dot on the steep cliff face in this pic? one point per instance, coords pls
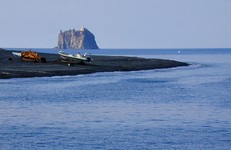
(77, 39)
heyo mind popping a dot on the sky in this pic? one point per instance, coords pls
(118, 23)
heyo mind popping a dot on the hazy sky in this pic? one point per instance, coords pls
(118, 23)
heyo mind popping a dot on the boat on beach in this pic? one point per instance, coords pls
(17, 54)
(76, 58)
(29, 56)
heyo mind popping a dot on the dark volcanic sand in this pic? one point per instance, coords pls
(15, 68)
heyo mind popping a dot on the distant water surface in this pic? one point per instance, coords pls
(178, 108)
(133, 51)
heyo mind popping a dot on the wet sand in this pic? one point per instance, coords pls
(13, 67)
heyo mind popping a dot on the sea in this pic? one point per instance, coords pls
(178, 108)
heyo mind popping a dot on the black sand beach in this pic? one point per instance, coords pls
(12, 67)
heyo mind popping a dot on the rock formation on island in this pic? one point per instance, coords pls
(77, 39)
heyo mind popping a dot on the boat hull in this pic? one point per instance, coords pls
(74, 58)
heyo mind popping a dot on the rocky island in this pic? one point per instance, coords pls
(14, 67)
(76, 39)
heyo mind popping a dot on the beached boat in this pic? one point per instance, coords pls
(76, 58)
(29, 56)
(17, 54)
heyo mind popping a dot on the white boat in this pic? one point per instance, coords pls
(17, 54)
(76, 58)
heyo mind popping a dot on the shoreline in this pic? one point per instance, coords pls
(12, 67)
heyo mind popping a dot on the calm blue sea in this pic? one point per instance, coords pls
(178, 108)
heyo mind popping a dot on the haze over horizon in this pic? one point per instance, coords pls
(118, 24)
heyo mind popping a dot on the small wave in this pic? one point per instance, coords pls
(147, 80)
